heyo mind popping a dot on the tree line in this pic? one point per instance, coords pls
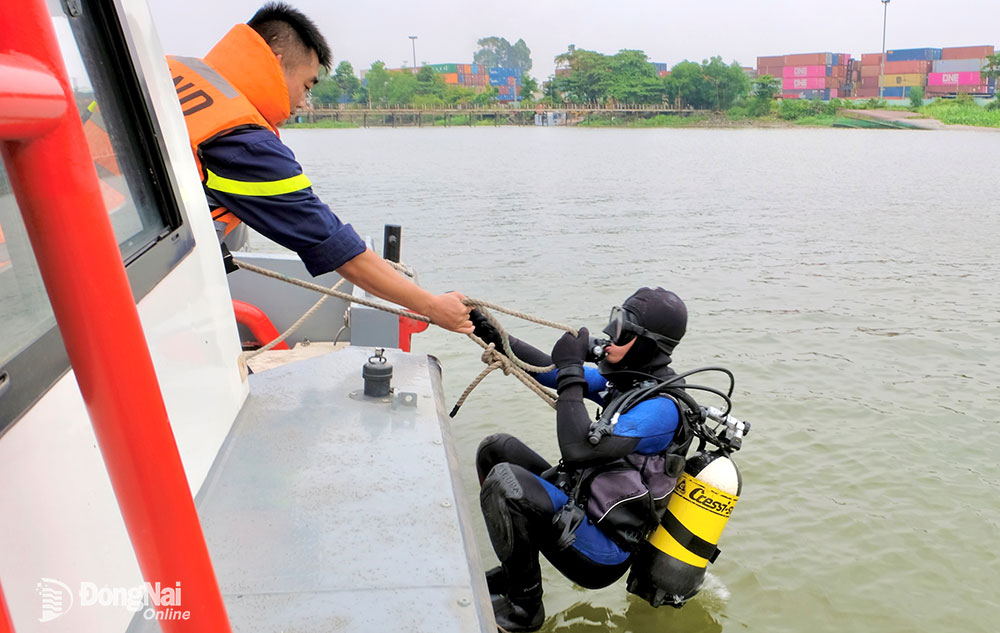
(584, 77)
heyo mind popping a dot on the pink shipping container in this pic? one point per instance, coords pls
(955, 79)
(804, 83)
(803, 71)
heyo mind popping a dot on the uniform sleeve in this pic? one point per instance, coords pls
(256, 177)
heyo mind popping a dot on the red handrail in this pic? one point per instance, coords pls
(257, 322)
(56, 186)
(6, 626)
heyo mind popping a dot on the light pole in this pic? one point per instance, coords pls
(881, 81)
(413, 40)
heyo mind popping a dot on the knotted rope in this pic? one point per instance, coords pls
(507, 361)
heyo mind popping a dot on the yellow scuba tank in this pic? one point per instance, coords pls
(669, 567)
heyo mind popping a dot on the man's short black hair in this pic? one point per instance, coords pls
(281, 26)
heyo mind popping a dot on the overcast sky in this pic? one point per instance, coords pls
(363, 32)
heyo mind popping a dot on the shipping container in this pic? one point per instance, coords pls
(937, 91)
(663, 73)
(661, 66)
(896, 92)
(867, 93)
(871, 59)
(809, 59)
(444, 68)
(804, 83)
(805, 71)
(451, 78)
(967, 52)
(913, 54)
(823, 95)
(913, 79)
(774, 71)
(908, 67)
(869, 82)
(958, 65)
(774, 60)
(955, 79)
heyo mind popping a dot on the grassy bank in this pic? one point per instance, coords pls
(963, 112)
(660, 120)
(787, 113)
(327, 124)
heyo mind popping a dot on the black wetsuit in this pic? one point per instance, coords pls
(519, 505)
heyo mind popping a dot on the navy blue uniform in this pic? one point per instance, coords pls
(249, 167)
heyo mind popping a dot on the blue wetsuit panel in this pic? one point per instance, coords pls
(590, 541)
(654, 421)
(596, 383)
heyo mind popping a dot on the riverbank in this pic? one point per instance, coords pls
(937, 115)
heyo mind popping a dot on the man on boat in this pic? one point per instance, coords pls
(233, 101)
(589, 514)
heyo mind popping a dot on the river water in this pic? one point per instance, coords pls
(849, 278)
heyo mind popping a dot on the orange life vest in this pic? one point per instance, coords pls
(239, 84)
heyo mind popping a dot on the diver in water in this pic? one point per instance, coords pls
(589, 514)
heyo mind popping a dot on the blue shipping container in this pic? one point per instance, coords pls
(836, 57)
(913, 55)
(896, 91)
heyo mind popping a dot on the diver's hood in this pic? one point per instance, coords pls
(660, 311)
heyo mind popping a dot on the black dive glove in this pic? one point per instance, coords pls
(568, 354)
(486, 330)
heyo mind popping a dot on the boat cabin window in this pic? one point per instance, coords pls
(123, 139)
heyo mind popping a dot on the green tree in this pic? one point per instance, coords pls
(377, 88)
(729, 82)
(632, 79)
(430, 83)
(400, 88)
(529, 87)
(916, 97)
(992, 67)
(327, 91)
(497, 51)
(550, 91)
(345, 78)
(589, 75)
(763, 89)
(687, 86)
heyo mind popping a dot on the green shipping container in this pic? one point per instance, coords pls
(444, 68)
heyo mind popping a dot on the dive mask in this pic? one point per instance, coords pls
(622, 328)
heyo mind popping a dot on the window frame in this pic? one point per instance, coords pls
(109, 55)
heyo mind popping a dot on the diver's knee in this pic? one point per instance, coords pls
(500, 488)
(489, 453)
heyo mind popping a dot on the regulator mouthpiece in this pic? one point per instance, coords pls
(597, 349)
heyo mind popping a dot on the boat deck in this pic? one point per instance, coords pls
(329, 511)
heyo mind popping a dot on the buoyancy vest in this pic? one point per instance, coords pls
(626, 497)
(238, 85)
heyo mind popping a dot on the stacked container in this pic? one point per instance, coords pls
(959, 70)
(507, 82)
(809, 75)
(941, 71)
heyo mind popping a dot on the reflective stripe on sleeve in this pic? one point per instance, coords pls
(269, 188)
